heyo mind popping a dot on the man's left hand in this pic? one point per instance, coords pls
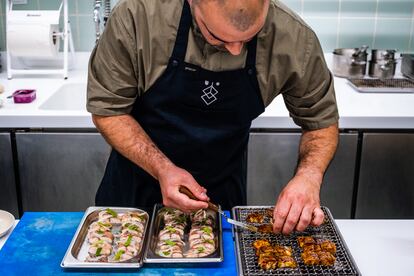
(298, 205)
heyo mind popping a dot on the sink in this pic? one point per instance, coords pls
(71, 96)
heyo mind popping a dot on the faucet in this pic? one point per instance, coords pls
(97, 18)
(97, 15)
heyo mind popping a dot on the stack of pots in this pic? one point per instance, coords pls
(382, 64)
(350, 62)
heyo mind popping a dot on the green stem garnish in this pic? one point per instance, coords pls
(170, 243)
(170, 229)
(112, 212)
(98, 251)
(128, 241)
(118, 255)
(133, 227)
(206, 230)
(209, 241)
(104, 224)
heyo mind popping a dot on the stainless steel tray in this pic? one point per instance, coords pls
(247, 260)
(78, 248)
(152, 257)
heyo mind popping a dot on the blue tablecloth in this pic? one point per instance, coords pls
(40, 240)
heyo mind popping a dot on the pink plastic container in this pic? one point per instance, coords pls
(24, 95)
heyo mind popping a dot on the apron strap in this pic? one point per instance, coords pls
(180, 47)
(251, 53)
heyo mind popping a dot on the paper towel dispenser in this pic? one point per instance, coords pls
(36, 34)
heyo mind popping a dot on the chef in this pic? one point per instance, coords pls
(173, 87)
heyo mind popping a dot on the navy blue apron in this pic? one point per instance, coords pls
(200, 120)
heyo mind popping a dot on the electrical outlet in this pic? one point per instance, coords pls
(19, 2)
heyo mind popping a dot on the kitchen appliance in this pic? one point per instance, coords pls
(33, 40)
(382, 64)
(350, 62)
(382, 86)
(246, 257)
(407, 65)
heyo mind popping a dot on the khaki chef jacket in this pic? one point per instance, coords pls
(139, 37)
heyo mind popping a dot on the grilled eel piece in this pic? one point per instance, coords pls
(255, 218)
(310, 258)
(282, 250)
(286, 261)
(312, 248)
(320, 252)
(259, 243)
(265, 228)
(318, 258)
(264, 250)
(326, 258)
(269, 213)
(328, 246)
(272, 257)
(267, 261)
(305, 240)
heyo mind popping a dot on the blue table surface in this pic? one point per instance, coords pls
(40, 240)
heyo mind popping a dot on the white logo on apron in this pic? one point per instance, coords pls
(210, 92)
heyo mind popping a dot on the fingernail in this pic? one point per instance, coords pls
(204, 194)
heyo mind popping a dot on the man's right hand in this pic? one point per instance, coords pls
(170, 181)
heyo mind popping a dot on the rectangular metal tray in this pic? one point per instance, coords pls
(247, 260)
(155, 227)
(382, 86)
(78, 248)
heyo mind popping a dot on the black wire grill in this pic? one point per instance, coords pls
(387, 85)
(247, 260)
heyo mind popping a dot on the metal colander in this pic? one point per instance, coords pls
(247, 260)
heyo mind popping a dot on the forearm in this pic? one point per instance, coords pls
(317, 148)
(125, 134)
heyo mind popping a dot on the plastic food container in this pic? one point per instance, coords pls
(24, 95)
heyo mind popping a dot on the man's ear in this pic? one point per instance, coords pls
(190, 2)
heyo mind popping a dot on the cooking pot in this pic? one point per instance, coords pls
(382, 54)
(382, 64)
(350, 62)
(384, 69)
(407, 65)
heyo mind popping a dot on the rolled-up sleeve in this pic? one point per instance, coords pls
(311, 98)
(113, 72)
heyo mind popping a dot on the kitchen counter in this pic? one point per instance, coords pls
(39, 242)
(357, 110)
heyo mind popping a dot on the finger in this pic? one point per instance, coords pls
(318, 216)
(185, 203)
(279, 215)
(205, 191)
(305, 219)
(197, 190)
(292, 218)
